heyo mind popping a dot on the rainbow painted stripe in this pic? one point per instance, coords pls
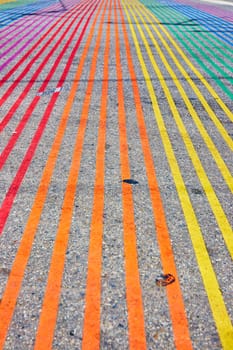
(151, 51)
(15, 3)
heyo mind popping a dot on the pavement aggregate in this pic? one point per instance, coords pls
(116, 170)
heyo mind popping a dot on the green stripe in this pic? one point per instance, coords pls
(223, 48)
(166, 15)
(16, 3)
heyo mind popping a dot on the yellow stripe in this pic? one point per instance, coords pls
(213, 93)
(226, 174)
(5, 1)
(221, 317)
(202, 99)
(215, 205)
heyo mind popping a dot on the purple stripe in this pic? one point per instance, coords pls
(223, 13)
(24, 46)
(3, 66)
(37, 22)
(20, 21)
(4, 36)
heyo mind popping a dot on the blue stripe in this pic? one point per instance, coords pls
(212, 23)
(7, 16)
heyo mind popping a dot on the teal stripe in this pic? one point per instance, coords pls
(15, 4)
(164, 13)
(217, 42)
(223, 48)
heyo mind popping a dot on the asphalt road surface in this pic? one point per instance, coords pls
(116, 163)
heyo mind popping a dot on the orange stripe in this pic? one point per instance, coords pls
(174, 294)
(17, 272)
(49, 311)
(137, 338)
(91, 326)
(18, 268)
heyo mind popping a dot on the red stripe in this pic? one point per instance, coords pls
(36, 99)
(8, 201)
(28, 67)
(20, 62)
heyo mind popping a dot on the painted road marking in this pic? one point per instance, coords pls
(194, 42)
(137, 336)
(175, 299)
(222, 319)
(105, 24)
(52, 293)
(219, 2)
(217, 209)
(12, 289)
(12, 192)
